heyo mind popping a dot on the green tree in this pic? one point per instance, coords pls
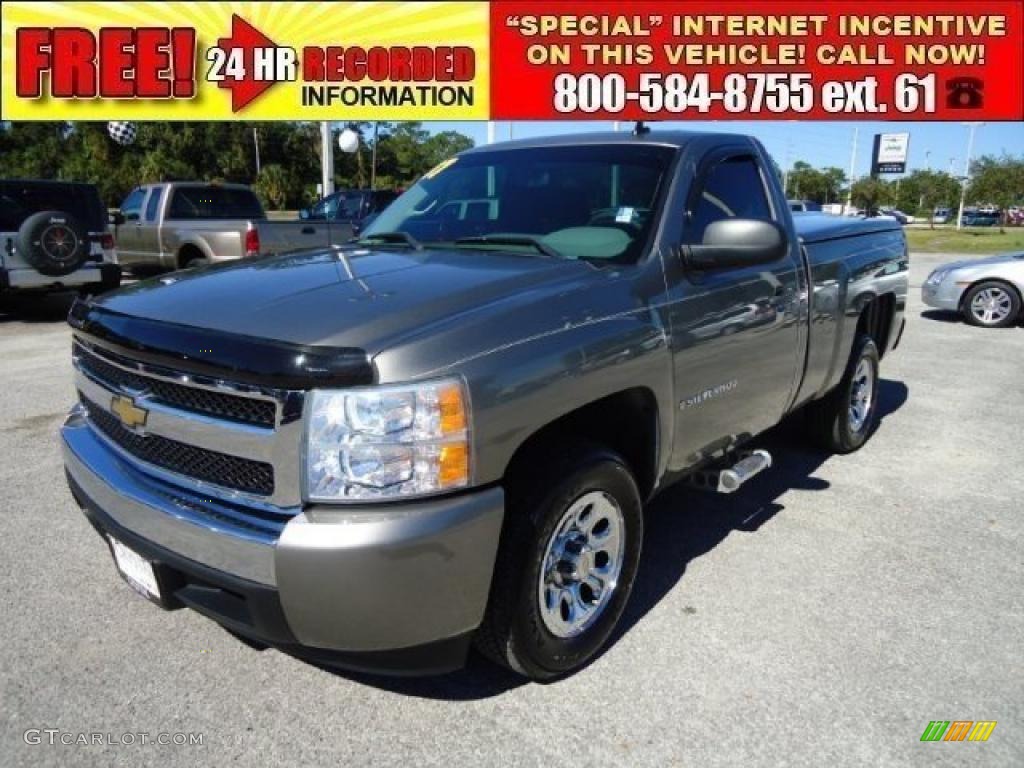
(922, 191)
(441, 146)
(808, 183)
(208, 151)
(998, 181)
(868, 193)
(274, 186)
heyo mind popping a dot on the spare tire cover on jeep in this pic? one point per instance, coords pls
(54, 242)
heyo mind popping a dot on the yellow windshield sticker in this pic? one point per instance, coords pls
(440, 167)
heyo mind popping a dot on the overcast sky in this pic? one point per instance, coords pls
(818, 143)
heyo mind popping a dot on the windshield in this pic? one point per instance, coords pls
(590, 202)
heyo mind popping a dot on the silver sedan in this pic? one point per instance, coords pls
(987, 292)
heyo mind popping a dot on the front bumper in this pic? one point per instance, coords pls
(944, 295)
(394, 588)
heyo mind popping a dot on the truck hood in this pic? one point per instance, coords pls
(354, 298)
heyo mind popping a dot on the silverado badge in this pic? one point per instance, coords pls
(131, 416)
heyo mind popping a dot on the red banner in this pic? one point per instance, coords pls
(795, 59)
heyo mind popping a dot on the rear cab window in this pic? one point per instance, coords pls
(214, 203)
(21, 199)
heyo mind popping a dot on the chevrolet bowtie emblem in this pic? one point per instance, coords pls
(131, 416)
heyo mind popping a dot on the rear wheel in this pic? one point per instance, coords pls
(991, 304)
(192, 257)
(566, 564)
(844, 419)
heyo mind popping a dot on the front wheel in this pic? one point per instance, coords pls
(566, 564)
(991, 305)
(845, 418)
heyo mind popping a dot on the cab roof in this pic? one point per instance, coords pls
(652, 137)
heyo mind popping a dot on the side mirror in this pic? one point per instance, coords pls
(304, 213)
(117, 218)
(737, 243)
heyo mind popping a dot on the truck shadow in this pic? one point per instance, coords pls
(681, 525)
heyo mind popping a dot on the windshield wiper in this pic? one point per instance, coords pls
(533, 242)
(393, 237)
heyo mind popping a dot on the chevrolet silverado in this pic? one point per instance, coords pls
(376, 455)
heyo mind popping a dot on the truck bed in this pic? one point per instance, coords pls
(819, 227)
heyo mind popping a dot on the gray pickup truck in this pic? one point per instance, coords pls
(446, 432)
(180, 224)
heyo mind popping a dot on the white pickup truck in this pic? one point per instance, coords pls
(174, 225)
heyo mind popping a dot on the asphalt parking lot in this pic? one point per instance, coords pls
(822, 616)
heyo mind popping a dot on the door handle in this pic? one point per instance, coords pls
(308, 231)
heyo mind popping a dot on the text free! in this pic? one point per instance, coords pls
(121, 62)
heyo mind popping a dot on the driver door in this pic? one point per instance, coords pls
(128, 234)
(734, 336)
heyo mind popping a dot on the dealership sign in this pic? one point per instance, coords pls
(890, 153)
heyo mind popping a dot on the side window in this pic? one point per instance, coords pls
(732, 189)
(325, 209)
(132, 205)
(153, 204)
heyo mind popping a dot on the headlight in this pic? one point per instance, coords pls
(386, 442)
(937, 276)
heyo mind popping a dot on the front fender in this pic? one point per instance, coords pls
(517, 389)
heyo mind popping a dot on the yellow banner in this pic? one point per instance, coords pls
(245, 60)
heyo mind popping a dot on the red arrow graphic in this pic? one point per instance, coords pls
(244, 37)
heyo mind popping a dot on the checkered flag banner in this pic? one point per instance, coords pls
(121, 132)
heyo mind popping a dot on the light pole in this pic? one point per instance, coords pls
(373, 158)
(853, 165)
(967, 172)
(326, 160)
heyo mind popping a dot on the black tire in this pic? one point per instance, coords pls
(513, 633)
(192, 257)
(55, 243)
(1006, 297)
(832, 422)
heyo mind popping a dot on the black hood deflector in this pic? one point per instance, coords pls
(229, 356)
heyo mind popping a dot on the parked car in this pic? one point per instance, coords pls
(804, 206)
(976, 217)
(446, 432)
(941, 216)
(896, 213)
(359, 207)
(987, 292)
(54, 237)
(182, 224)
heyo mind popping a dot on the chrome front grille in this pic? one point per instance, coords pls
(208, 466)
(246, 410)
(235, 442)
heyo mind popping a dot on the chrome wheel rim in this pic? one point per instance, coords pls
(861, 393)
(991, 305)
(581, 564)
